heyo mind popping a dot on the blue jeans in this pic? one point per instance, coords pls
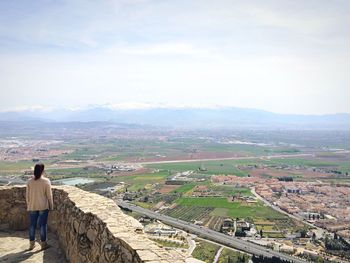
(34, 216)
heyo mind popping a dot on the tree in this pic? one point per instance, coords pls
(261, 233)
(241, 258)
(262, 259)
(303, 233)
(240, 233)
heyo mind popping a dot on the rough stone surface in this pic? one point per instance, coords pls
(14, 248)
(90, 227)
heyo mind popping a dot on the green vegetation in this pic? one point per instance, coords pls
(275, 227)
(185, 188)
(234, 209)
(139, 181)
(230, 166)
(189, 213)
(262, 259)
(206, 202)
(124, 149)
(205, 251)
(341, 165)
(208, 167)
(231, 256)
(220, 212)
(282, 150)
(7, 167)
(243, 149)
(74, 172)
(344, 167)
(169, 243)
(143, 205)
(273, 235)
(229, 190)
(304, 162)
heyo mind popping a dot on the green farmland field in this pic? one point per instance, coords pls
(185, 188)
(229, 255)
(234, 209)
(15, 167)
(230, 190)
(205, 251)
(212, 167)
(188, 213)
(305, 162)
(139, 181)
(343, 166)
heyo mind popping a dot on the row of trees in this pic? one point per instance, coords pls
(336, 244)
(285, 178)
(239, 259)
(262, 259)
(313, 216)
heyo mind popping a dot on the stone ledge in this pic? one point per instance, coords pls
(90, 227)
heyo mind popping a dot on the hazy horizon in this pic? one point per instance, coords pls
(289, 57)
(144, 106)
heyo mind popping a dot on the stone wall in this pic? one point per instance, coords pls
(13, 209)
(90, 227)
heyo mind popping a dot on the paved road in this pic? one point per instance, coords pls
(192, 245)
(211, 234)
(230, 158)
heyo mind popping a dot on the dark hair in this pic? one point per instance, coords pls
(38, 170)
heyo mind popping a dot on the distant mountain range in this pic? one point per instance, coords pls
(225, 117)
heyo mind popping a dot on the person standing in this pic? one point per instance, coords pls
(39, 202)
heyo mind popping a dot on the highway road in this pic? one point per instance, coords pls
(211, 234)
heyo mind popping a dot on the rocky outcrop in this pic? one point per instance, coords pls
(90, 227)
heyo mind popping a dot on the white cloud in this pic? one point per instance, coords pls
(29, 108)
(274, 55)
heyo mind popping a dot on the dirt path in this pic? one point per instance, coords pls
(217, 256)
(192, 245)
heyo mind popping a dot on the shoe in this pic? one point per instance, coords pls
(31, 245)
(44, 245)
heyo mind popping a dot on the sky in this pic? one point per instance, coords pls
(281, 56)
